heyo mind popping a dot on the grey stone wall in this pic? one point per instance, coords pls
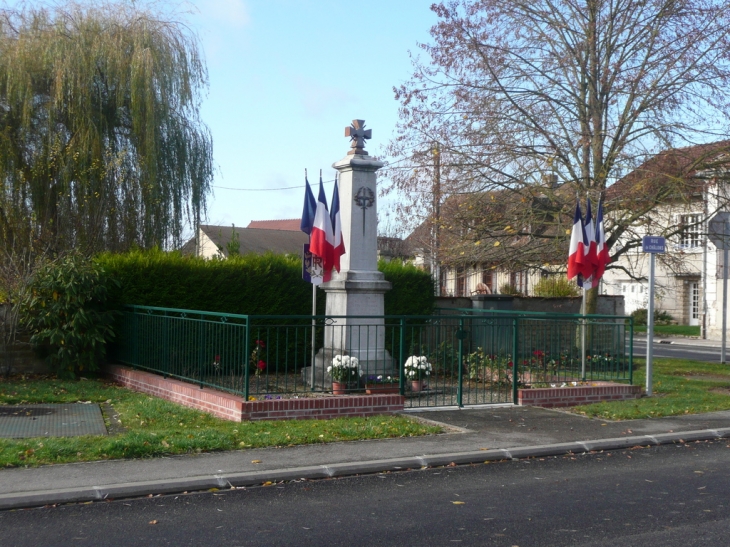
(607, 304)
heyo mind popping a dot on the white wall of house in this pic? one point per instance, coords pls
(207, 248)
(464, 281)
(688, 276)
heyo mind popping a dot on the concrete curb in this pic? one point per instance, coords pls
(19, 500)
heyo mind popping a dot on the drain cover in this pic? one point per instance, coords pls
(24, 411)
(52, 420)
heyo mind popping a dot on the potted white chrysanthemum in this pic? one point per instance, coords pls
(417, 369)
(344, 371)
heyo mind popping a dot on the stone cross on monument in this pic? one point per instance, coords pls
(358, 134)
(357, 290)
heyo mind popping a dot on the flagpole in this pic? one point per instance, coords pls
(314, 325)
(583, 339)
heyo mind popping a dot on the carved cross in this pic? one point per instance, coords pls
(358, 134)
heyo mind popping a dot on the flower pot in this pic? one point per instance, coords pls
(416, 385)
(381, 389)
(339, 388)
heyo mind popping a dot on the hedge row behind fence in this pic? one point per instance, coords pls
(252, 284)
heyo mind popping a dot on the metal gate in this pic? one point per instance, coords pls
(484, 357)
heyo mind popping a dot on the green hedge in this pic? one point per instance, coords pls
(252, 284)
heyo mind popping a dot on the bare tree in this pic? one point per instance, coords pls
(536, 102)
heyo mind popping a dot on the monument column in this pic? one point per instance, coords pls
(358, 289)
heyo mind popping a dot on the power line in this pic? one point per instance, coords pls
(266, 189)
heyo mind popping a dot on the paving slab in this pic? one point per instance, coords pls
(51, 420)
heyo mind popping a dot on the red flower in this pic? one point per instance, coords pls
(538, 353)
(509, 364)
(261, 365)
(261, 343)
(217, 359)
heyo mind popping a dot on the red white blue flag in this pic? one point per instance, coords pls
(321, 240)
(588, 260)
(602, 257)
(337, 242)
(576, 252)
(310, 208)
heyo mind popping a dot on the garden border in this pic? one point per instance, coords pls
(596, 392)
(235, 408)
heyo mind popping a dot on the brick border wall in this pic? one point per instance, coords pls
(235, 408)
(581, 395)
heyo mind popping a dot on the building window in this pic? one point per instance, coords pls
(519, 281)
(460, 282)
(689, 237)
(488, 279)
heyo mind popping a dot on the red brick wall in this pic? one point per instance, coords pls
(235, 408)
(573, 396)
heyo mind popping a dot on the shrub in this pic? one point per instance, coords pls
(660, 317)
(555, 286)
(509, 289)
(251, 284)
(64, 307)
(412, 292)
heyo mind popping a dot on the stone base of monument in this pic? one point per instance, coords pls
(372, 363)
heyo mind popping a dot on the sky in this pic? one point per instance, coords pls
(286, 78)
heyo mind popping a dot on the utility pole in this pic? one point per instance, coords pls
(436, 267)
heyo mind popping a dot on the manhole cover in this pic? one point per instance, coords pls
(52, 420)
(25, 411)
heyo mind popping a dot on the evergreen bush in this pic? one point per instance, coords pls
(64, 308)
(660, 317)
(555, 286)
(250, 284)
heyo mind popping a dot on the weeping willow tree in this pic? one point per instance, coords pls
(101, 142)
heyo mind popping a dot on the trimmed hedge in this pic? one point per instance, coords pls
(252, 284)
(412, 292)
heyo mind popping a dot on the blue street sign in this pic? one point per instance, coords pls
(653, 244)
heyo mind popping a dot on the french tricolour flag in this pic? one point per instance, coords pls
(321, 240)
(576, 252)
(602, 257)
(588, 261)
(338, 243)
(310, 208)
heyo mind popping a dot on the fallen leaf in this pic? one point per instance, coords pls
(153, 522)
(255, 461)
(458, 502)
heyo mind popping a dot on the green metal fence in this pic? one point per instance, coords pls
(475, 356)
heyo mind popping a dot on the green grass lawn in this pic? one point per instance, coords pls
(680, 387)
(155, 427)
(671, 330)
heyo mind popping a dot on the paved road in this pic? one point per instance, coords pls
(680, 350)
(670, 496)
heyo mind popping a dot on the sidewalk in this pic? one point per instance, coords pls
(680, 340)
(475, 435)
